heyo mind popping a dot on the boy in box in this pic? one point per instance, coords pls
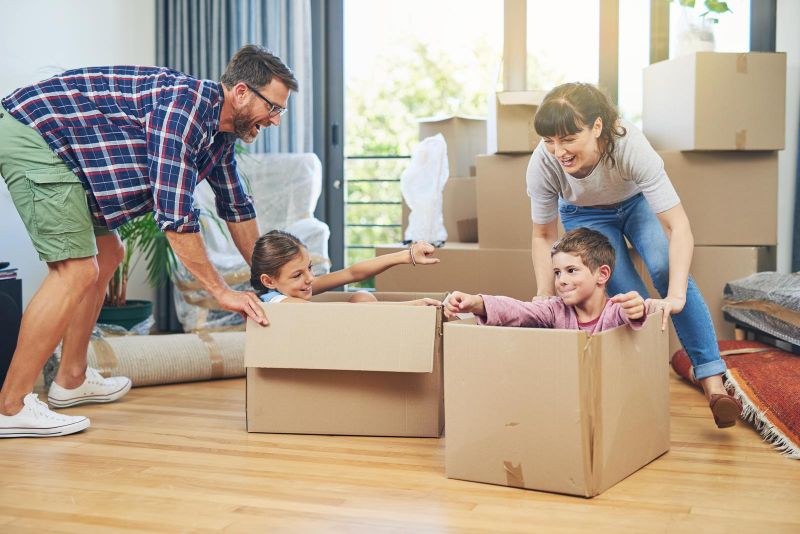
(583, 260)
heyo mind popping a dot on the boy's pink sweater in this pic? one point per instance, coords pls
(550, 313)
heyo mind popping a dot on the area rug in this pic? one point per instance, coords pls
(767, 381)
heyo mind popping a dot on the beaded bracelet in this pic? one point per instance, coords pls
(411, 253)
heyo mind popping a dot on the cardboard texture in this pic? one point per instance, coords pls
(712, 268)
(459, 210)
(716, 101)
(554, 410)
(510, 123)
(464, 267)
(504, 207)
(465, 138)
(359, 374)
(731, 198)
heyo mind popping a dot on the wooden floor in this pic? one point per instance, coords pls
(177, 458)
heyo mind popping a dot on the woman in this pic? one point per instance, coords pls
(597, 170)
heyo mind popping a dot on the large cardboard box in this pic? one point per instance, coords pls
(464, 267)
(712, 268)
(504, 207)
(368, 369)
(716, 101)
(731, 198)
(554, 410)
(465, 138)
(459, 210)
(510, 124)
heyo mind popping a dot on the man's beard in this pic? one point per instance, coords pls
(242, 127)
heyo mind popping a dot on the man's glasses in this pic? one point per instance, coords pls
(274, 109)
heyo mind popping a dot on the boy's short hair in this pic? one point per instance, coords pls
(593, 248)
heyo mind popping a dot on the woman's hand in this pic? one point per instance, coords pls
(422, 253)
(667, 306)
(632, 304)
(459, 302)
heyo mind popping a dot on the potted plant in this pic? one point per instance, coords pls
(699, 36)
(143, 240)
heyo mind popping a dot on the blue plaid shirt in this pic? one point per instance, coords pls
(139, 139)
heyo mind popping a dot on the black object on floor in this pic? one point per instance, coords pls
(10, 318)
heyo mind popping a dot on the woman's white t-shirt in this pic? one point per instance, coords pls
(638, 169)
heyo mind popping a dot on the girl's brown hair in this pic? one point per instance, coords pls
(273, 250)
(570, 107)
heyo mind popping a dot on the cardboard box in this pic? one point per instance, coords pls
(731, 198)
(459, 210)
(712, 268)
(554, 410)
(465, 138)
(510, 124)
(369, 369)
(504, 207)
(716, 101)
(464, 267)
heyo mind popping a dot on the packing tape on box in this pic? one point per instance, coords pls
(171, 358)
(514, 476)
(741, 139)
(741, 64)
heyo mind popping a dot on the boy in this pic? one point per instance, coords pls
(583, 260)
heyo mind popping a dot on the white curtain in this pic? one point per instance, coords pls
(198, 37)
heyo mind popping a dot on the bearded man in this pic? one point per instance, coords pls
(87, 150)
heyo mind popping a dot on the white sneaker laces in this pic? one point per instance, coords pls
(41, 409)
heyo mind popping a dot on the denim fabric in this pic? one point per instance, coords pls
(634, 219)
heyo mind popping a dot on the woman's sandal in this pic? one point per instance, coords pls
(725, 408)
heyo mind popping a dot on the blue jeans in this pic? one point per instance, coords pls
(635, 220)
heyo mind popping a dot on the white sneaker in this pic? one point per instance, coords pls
(36, 420)
(94, 389)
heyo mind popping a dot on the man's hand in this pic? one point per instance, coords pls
(245, 303)
(459, 302)
(667, 306)
(632, 304)
(423, 253)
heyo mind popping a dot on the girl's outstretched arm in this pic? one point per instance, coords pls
(420, 253)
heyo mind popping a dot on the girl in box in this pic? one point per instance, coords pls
(594, 169)
(281, 270)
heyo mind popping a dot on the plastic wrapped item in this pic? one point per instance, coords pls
(285, 190)
(422, 185)
(139, 329)
(768, 302)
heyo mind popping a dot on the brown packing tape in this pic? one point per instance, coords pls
(741, 64)
(217, 364)
(514, 476)
(104, 355)
(741, 139)
(770, 308)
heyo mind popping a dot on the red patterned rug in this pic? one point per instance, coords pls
(767, 381)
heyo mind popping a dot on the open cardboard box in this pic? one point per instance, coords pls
(368, 369)
(554, 410)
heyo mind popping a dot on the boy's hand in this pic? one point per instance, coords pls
(463, 303)
(632, 304)
(423, 253)
(667, 306)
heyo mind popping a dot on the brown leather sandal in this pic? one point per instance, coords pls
(725, 408)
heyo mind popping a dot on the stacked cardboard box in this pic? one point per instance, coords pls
(716, 120)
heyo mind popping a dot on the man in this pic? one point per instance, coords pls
(90, 149)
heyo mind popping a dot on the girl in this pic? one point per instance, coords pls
(597, 170)
(281, 270)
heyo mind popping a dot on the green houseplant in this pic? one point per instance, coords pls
(143, 241)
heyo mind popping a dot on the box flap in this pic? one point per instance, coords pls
(520, 98)
(352, 337)
(443, 118)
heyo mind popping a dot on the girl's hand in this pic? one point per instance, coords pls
(463, 303)
(667, 306)
(632, 304)
(424, 302)
(423, 253)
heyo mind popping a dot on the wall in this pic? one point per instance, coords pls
(788, 40)
(42, 37)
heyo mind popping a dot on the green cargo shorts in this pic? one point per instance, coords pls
(50, 199)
